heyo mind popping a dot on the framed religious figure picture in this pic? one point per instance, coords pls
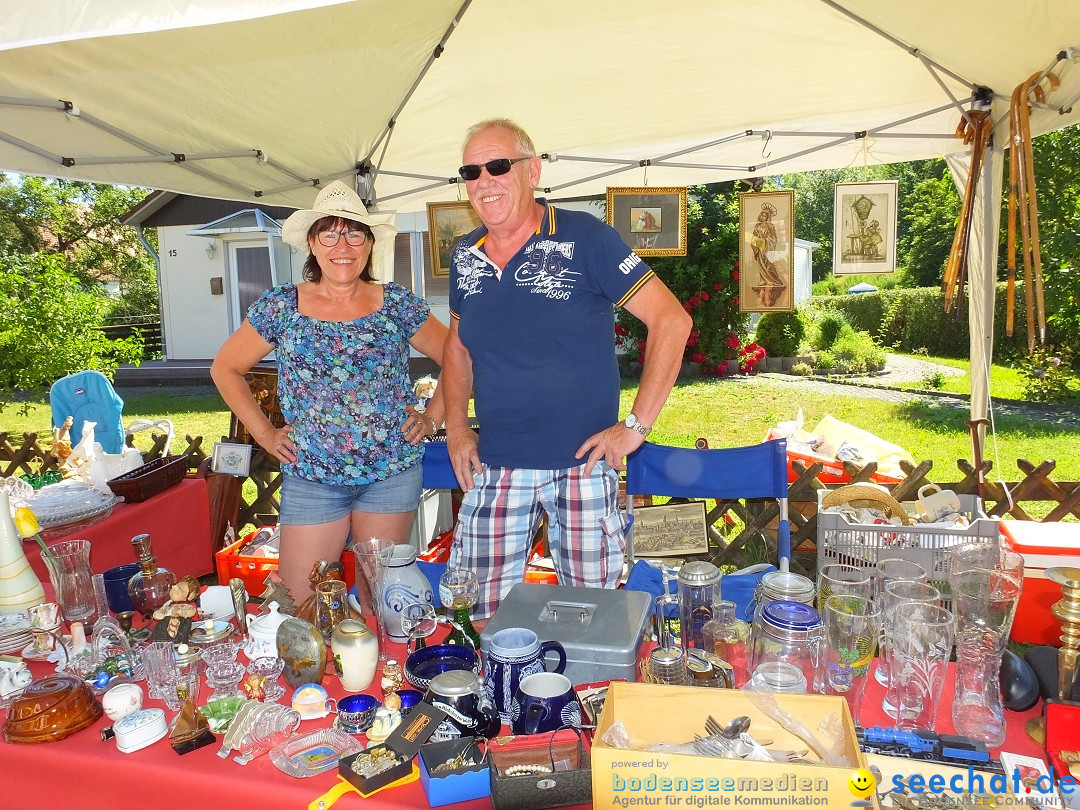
(652, 221)
(864, 228)
(767, 251)
(671, 530)
(447, 223)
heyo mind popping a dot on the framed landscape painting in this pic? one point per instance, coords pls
(671, 530)
(767, 251)
(447, 223)
(652, 221)
(864, 228)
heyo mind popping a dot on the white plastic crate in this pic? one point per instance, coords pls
(841, 541)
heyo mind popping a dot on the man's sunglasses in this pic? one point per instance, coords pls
(471, 171)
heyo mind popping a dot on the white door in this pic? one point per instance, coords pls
(250, 274)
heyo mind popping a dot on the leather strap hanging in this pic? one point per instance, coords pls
(1023, 206)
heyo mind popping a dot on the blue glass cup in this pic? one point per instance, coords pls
(116, 586)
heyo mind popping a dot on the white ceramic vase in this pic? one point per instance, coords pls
(20, 587)
(356, 654)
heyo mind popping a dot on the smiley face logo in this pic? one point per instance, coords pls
(862, 783)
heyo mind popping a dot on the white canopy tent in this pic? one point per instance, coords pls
(263, 99)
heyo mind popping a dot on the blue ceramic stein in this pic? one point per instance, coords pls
(544, 702)
(513, 654)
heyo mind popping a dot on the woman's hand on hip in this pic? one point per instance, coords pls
(417, 426)
(279, 444)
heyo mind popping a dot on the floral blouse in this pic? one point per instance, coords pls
(344, 386)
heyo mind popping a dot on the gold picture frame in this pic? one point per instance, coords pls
(671, 530)
(767, 251)
(447, 223)
(651, 220)
(864, 228)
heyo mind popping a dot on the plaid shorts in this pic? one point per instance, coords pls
(500, 516)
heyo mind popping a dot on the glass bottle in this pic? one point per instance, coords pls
(699, 587)
(149, 589)
(728, 637)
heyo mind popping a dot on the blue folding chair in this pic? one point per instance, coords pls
(757, 471)
(438, 471)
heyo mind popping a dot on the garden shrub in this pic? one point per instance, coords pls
(1048, 374)
(780, 333)
(802, 369)
(825, 360)
(857, 353)
(828, 329)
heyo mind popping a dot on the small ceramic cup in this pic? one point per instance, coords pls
(356, 713)
(122, 700)
(544, 702)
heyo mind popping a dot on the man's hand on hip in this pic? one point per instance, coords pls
(464, 456)
(612, 445)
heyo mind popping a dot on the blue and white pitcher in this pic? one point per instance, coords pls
(401, 583)
(513, 654)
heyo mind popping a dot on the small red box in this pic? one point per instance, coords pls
(1043, 545)
(254, 570)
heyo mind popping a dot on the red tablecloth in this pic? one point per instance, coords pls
(177, 520)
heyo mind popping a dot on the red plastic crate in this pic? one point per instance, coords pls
(254, 570)
(832, 471)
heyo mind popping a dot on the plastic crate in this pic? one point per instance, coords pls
(832, 471)
(841, 541)
(254, 570)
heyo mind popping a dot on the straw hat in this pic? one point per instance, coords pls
(338, 200)
(868, 496)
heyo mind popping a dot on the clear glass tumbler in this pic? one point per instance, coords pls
(921, 642)
(851, 635)
(897, 593)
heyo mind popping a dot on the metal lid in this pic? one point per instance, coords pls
(700, 572)
(186, 654)
(787, 585)
(790, 616)
(455, 683)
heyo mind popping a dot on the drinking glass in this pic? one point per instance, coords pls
(921, 642)
(330, 606)
(851, 637)
(897, 593)
(224, 678)
(160, 668)
(985, 583)
(418, 622)
(894, 569)
(842, 580)
(370, 565)
(459, 592)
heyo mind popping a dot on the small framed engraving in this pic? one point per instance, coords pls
(231, 459)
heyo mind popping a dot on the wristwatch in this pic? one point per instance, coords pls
(634, 423)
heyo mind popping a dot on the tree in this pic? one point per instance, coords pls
(48, 326)
(80, 221)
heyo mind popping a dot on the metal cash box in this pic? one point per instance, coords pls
(601, 629)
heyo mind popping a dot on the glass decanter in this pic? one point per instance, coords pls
(728, 637)
(459, 591)
(149, 589)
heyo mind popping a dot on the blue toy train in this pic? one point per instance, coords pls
(947, 749)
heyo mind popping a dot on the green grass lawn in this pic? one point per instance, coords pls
(727, 413)
(1005, 382)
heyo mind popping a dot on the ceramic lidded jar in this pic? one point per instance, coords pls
(402, 584)
(262, 633)
(356, 654)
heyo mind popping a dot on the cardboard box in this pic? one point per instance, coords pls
(457, 785)
(1043, 545)
(653, 714)
(402, 744)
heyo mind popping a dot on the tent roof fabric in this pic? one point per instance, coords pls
(608, 80)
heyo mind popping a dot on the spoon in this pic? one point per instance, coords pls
(735, 727)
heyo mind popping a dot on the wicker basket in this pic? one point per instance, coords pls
(149, 479)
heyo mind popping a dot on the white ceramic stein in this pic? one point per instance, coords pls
(936, 503)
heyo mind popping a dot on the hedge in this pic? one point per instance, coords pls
(916, 319)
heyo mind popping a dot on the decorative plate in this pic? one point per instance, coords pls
(70, 502)
(313, 753)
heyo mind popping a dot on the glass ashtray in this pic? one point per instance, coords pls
(314, 753)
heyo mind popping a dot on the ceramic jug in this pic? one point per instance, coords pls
(19, 586)
(401, 584)
(513, 654)
(356, 654)
(468, 713)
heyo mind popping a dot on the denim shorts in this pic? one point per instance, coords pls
(306, 503)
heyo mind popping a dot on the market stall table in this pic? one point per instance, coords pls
(177, 520)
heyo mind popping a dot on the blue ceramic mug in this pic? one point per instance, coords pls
(515, 653)
(544, 702)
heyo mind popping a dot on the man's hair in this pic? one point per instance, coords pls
(522, 140)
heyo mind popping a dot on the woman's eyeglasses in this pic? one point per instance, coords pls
(471, 171)
(354, 238)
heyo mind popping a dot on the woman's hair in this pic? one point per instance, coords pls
(312, 271)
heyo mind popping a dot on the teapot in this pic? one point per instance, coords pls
(460, 693)
(262, 633)
(13, 679)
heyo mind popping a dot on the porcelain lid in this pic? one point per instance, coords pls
(265, 627)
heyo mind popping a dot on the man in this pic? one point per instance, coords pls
(532, 335)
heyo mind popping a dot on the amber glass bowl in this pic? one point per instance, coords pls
(50, 709)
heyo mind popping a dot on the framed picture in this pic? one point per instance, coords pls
(671, 530)
(232, 459)
(447, 223)
(652, 221)
(767, 251)
(864, 228)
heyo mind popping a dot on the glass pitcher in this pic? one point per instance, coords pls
(72, 580)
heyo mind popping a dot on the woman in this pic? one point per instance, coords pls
(348, 451)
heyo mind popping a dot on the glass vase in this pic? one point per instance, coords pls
(69, 570)
(985, 584)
